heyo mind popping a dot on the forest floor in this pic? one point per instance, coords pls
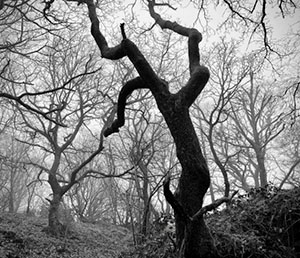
(22, 236)
(263, 223)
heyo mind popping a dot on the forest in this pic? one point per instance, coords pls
(149, 128)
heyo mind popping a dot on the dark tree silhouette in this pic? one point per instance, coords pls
(195, 179)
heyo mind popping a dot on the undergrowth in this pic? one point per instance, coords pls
(263, 223)
(25, 237)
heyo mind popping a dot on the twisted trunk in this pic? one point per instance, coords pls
(193, 237)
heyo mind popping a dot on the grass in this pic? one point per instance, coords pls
(22, 236)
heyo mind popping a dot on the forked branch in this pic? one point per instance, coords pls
(194, 35)
(112, 53)
(199, 74)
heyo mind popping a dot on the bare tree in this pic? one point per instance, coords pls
(13, 157)
(74, 108)
(147, 139)
(257, 121)
(90, 200)
(228, 73)
(289, 160)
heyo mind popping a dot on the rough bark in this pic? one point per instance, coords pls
(195, 230)
(193, 184)
(55, 227)
(260, 156)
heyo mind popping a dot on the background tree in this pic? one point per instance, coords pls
(145, 139)
(288, 147)
(25, 32)
(14, 176)
(257, 122)
(69, 111)
(228, 73)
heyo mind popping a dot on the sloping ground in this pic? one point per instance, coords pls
(263, 223)
(23, 237)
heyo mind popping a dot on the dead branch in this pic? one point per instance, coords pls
(213, 205)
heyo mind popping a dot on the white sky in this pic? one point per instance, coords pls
(186, 15)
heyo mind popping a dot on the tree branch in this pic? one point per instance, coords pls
(19, 100)
(177, 207)
(199, 74)
(75, 172)
(165, 24)
(292, 168)
(28, 107)
(126, 48)
(112, 53)
(194, 35)
(142, 66)
(213, 205)
(181, 212)
(195, 85)
(125, 92)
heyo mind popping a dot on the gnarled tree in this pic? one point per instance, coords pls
(195, 179)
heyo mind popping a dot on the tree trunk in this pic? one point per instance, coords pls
(261, 168)
(145, 199)
(54, 225)
(146, 220)
(219, 164)
(11, 206)
(197, 242)
(193, 239)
